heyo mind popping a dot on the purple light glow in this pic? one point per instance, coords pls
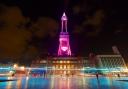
(64, 46)
(64, 17)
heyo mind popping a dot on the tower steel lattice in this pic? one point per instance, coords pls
(64, 46)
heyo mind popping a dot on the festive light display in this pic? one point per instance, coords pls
(64, 46)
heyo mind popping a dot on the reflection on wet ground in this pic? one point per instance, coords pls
(54, 82)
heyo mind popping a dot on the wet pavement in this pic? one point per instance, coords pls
(64, 82)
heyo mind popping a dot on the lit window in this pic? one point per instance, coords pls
(68, 71)
(57, 66)
(68, 66)
(72, 66)
(64, 66)
(64, 72)
(68, 61)
(61, 61)
(60, 66)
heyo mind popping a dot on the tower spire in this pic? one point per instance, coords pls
(64, 23)
(64, 46)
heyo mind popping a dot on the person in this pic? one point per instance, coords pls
(13, 74)
(97, 76)
(118, 75)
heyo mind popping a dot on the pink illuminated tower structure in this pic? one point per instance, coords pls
(64, 46)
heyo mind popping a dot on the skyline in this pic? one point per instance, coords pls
(93, 27)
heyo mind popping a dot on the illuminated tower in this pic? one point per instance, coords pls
(64, 46)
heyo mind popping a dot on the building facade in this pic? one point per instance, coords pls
(111, 64)
(65, 65)
(61, 65)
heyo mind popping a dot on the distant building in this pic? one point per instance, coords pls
(111, 63)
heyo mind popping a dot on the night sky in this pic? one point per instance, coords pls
(30, 28)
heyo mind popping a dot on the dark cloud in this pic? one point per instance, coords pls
(96, 21)
(30, 53)
(16, 39)
(45, 26)
(13, 36)
(101, 24)
(92, 25)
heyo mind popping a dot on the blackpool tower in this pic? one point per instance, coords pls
(64, 46)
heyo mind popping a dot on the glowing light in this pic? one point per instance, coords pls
(6, 68)
(57, 66)
(22, 68)
(60, 66)
(27, 78)
(64, 48)
(64, 66)
(64, 17)
(9, 85)
(68, 61)
(64, 61)
(68, 71)
(15, 66)
(26, 83)
(61, 61)
(64, 72)
(72, 66)
(68, 66)
(18, 83)
(10, 72)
